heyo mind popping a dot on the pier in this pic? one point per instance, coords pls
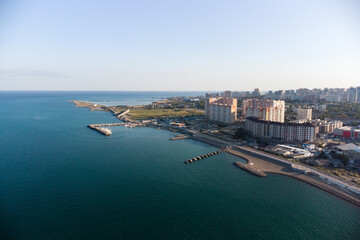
(205, 156)
(101, 129)
(105, 125)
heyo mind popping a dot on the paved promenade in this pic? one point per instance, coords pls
(271, 164)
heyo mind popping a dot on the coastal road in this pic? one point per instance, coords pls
(340, 182)
(329, 178)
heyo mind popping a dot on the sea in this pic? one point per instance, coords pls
(62, 180)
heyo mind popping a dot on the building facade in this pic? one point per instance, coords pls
(327, 126)
(267, 110)
(291, 132)
(221, 109)
(353, 94)
(227, 94)
(322, 126)
(304, 114)
(347, 132)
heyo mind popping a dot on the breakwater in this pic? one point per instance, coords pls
(250, 169)
(204, 156)
(105, 125)
(179, 137)
(101, 129)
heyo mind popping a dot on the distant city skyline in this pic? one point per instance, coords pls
(179, 45)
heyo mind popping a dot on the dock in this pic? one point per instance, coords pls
(105, 125)
(204, 156)
(250, 169)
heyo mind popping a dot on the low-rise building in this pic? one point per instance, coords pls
(293, 152)
(177, 124)
(351, 150)
(347, 132)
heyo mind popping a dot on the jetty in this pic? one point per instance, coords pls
(250, 169)
(205, 156)
(105, 125)
(101, 129)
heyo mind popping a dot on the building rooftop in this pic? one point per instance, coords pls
(347, 147)
(349, 128)
(254, 119)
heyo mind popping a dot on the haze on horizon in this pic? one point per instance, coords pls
(179, 45)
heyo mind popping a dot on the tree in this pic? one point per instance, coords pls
(323, 155)
(344, 159)
(240, 134)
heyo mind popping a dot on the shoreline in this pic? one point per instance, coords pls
(284, 170)
(264, 164)
(272, 167)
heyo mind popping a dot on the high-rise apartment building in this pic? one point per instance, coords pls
(353, 94)
(256, 92)
(227, 94)
(221, 109)
(304, 114)
(211, 95)
(268, 110)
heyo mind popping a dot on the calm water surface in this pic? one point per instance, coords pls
(61, 180)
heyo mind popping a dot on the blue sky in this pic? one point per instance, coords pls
(178, 45)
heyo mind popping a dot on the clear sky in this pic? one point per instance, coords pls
(178, 44)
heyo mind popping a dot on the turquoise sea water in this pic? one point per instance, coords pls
(61, 180)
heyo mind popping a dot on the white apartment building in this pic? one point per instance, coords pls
(267, 110)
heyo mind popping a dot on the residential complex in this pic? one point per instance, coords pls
(351, 94)
(322, 126)
(290, 132)
(221, 109)
(304, 114)
(267, 110)
(327, 126)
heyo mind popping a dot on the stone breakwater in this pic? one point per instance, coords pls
(204, 156)
(250, 169)
(105, 131)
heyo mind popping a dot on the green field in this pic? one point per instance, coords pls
(144, 113)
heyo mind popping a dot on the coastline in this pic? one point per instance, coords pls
(264, 164)
(273, 167)
(270, 166)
